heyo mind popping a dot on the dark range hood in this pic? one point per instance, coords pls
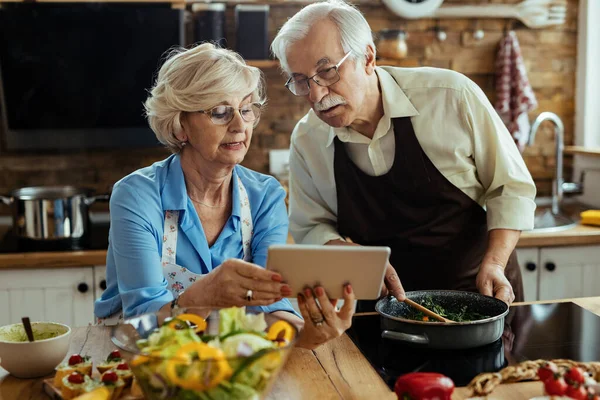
(75, 76)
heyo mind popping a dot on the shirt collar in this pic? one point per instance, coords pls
(396, 103)
(174, 195)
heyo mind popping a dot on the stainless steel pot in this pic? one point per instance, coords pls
(45, 213)
(439, 335)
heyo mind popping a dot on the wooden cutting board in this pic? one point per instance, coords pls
(54, 393)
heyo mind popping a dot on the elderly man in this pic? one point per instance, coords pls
(411, 158)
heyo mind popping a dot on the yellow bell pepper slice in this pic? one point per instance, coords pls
(193, 379)
(281, 332)
(139, 360)
(193, 319)
(102, 393)
(143, 358)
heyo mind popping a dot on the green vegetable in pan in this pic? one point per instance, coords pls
(460, 315)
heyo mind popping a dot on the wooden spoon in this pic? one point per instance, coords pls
(426, 311)
(28, 330)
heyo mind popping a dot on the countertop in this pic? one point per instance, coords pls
(336, 370)
(580, 235)
(54, 259)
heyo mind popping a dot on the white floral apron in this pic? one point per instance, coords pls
(180, 278)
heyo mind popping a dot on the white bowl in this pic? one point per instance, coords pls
(24, 359)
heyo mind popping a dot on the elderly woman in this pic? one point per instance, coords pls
(193, 230)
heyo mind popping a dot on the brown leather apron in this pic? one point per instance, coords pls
(438, 234)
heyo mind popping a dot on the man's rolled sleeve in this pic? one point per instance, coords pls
(506, 212)
(510, 190)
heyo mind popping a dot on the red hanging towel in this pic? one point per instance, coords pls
(515, 97)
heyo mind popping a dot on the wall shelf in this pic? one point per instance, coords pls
(263, 64)
(405, 62)
(280, 2)
(227, 2)
(580, 150)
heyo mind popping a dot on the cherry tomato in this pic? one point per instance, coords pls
(555, 387)
(576, 392)
(547, 371)
(115, 354)
(75, 359)
(575, 374)
(75, 377)
(123, 367)
(110, 377)
(591, 394)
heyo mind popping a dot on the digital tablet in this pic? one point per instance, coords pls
(331, 267)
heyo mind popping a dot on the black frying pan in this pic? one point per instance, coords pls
(440, 335)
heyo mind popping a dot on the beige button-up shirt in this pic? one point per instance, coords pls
(457, 128)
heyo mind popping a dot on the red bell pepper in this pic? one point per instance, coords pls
(424, 386)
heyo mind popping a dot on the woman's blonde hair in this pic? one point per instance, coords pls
(197, 79)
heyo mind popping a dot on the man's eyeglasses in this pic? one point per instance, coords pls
(222, 114)
(326, 77)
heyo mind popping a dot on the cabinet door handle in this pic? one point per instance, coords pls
(82, 287)
(530, 266)
(550, 266)
(103, 284)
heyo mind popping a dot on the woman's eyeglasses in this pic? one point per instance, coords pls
(326, 77)
(223, 114)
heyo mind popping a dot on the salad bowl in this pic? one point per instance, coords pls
(199, 354)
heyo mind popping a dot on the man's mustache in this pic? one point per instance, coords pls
(328, 102)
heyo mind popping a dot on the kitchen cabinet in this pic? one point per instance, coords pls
(99, 280)
(64, 295)
(529, 263)
(567, 272)
(551, 273)
(67, 295)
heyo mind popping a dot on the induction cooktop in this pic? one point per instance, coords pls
(96, 239)
(538, 331)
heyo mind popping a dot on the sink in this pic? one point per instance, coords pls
(546, 222)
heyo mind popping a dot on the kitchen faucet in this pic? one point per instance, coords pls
(559, 135)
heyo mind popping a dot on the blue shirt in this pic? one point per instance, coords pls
(134, 274)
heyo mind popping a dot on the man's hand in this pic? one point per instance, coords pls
(393, 285)
(491, 281)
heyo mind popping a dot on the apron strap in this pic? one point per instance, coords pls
(169, 242)
(246, 221)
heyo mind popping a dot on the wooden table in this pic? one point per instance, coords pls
(336, 370)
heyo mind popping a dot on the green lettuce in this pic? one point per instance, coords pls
(235, 319)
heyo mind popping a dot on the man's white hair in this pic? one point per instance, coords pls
(354, 29)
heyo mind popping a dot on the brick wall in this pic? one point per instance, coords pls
(550, 56)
